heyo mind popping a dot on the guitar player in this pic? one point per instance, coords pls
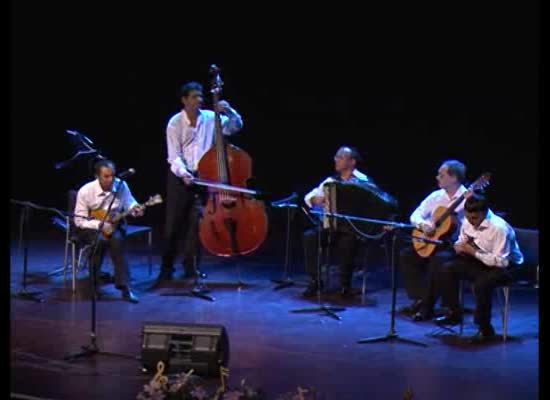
(419, 272)
(97, 195)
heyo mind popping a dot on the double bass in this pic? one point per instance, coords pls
(234, 222)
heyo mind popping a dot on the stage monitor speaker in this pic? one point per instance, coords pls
(181, 347)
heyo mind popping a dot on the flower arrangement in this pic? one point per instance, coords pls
(186, 386)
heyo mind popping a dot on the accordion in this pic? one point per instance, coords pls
(365, 200)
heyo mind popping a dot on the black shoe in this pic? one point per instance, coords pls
(450, 318)
(312, 289)
(484, 334)
(412, 308)
(128, 295)
(423, 315)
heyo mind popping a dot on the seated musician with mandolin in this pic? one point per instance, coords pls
(345, 243)
(419, 262)
(93, 199)
(488, 256)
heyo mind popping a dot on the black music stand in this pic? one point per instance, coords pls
(328, 311)
(92, 349)
(23, 294)
(392, 334)
(286, 280)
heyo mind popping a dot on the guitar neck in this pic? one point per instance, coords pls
(450, 209)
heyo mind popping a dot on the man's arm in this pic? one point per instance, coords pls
(232, 121)
(128, 201)
(498, 255)
(317, 195)
(175, 158)
(420, 216)
(81, 208)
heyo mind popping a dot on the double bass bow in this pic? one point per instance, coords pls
(233, 221)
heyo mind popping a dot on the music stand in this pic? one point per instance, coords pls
(328, 311)
(286, 280)
(23, 294)
(392, 334)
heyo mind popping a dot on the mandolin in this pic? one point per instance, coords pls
(444, 221)
(115, 219)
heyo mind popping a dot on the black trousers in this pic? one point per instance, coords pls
(345, 244)
(484, 279)
(420, 274)
(116, 245)
(183, 211)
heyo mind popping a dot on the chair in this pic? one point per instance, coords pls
(72, 242)
(528, 242)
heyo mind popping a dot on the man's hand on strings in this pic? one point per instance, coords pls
(427, 228)
(138, 210)
(223, 107)
(107, 228)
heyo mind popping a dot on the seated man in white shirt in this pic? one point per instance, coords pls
(345, 243)
(488, 255)
(418, 272)
(97, 195)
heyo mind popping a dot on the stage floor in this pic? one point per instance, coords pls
(271, 347)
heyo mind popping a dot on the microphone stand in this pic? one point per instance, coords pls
(23, 294)
(93, 349)
(392, 334)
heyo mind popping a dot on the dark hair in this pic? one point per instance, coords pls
(104, 163)
(456, 168)
(188, 87)
(354, 153)
(476, 202)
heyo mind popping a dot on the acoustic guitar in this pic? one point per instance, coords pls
(115, 219)
(444, 221)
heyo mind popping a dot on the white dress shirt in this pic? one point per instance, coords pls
(438, 198)
(495, 239)
(187, 144)
(92, 197)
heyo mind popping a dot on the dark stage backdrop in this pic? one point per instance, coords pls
(409, 92)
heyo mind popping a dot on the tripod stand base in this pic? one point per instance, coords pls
(92, 350)
(32, 296)
(329, 311)
(198, 291)
(391, 337)
(282, 283)
(56, 271)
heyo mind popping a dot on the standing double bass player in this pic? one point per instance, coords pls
(189, 135)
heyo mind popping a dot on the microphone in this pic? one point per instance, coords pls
(127, 173)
